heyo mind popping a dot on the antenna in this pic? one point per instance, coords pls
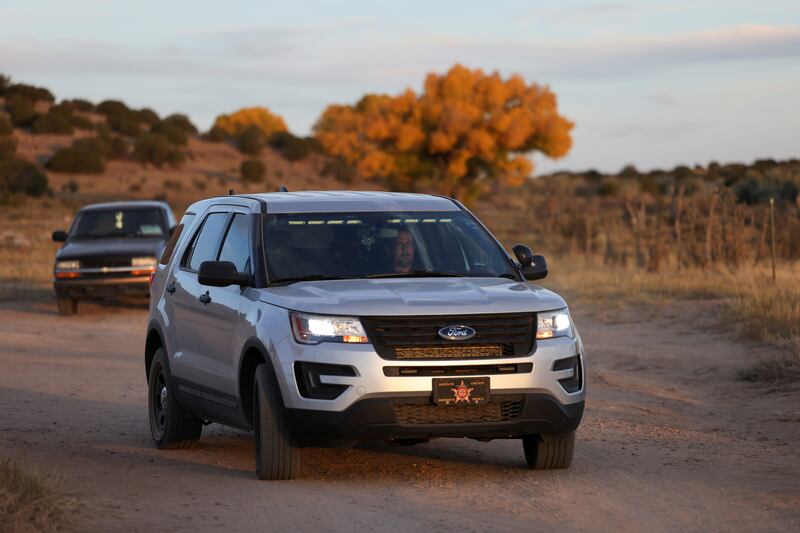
(231, 192)
(283, 189)
(341, 157)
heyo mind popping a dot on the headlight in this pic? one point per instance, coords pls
(144, 261)
(551, 324)
(313, 329)
(68, 265)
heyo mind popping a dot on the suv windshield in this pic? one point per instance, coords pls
(100, 223)
(312, 246)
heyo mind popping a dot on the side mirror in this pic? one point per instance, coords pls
(60, 236)
(537, 269)
(221, 274)
(524, 255)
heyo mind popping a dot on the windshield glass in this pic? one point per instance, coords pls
(380, 244)
(99, 223)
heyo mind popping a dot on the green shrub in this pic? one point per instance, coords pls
(157, 149)
(6, 127)
(112, 107)
(20, 176)
(253, 170)
(148, 116)
(81, 123)
(109, 147)
(292, 147)
(71, 186)
(31, 92)
(116, 148)
(183, 122)
(81, 157)
(126, 123)
(22, 111)
(251, 141)
(215, 134)
(173, 132)
(54, 121)
(78, 104)
(8, 148)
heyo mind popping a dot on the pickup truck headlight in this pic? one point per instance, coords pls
(144, 261)
(551, 324)
(68, 265)
(313, 329)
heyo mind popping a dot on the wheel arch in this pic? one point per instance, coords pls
(155, 340)
(254, 353)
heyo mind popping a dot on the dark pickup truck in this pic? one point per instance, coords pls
(110, 250)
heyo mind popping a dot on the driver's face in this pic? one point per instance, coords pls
(403, 252)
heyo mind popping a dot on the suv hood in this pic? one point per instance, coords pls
(420, 296)
(98, 248)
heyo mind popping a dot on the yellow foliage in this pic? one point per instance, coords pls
(235, 123)
(465, 129)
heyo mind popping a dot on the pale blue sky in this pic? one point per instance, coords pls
(652, 83)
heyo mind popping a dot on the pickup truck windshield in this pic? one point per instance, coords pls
(104, 223)
(315, 246)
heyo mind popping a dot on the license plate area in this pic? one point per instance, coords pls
(460, 391)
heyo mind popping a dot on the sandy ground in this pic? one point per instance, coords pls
(670, 441)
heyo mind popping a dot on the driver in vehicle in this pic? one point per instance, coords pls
(403, 252)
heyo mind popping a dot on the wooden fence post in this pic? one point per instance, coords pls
(772, 235)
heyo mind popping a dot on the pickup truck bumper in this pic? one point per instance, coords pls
(102, 287)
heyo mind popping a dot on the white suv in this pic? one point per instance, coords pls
(332, 317)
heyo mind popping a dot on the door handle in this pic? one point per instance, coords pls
(205, 298)
(170, 288)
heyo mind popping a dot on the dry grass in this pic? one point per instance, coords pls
(760, 310)
(29, 500)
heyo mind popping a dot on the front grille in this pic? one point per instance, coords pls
(460, 351)
(100, 262)
(494, 411)
(400, 337)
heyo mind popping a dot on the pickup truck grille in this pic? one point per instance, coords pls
(416, 337)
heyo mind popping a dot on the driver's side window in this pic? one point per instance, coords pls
(206, 243)
(236, 247)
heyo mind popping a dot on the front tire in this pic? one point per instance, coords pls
(67, 306)
(277, 454)
(549, 451)
(171, 426)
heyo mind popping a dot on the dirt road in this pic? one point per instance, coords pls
(670, 441)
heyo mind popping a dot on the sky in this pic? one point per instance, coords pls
(649, 83)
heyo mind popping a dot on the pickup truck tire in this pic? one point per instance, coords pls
(67, 306)
(172, 426)
(277, 454)
(545, 452)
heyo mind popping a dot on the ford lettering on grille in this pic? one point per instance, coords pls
(457, 333)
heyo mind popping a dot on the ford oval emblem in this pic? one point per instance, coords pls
(457, 333)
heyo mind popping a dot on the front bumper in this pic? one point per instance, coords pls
(378, 418)
(102, 287)
(370, 380)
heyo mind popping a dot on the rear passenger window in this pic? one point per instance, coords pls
(206, 243)
(236, 247)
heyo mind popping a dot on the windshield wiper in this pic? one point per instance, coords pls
(287, 281)
(418, 274)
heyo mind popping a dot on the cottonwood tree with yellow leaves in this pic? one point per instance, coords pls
(234, 124)
(465, 131)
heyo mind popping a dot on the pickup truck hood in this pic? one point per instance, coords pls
(420, 296)
(99, 248)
